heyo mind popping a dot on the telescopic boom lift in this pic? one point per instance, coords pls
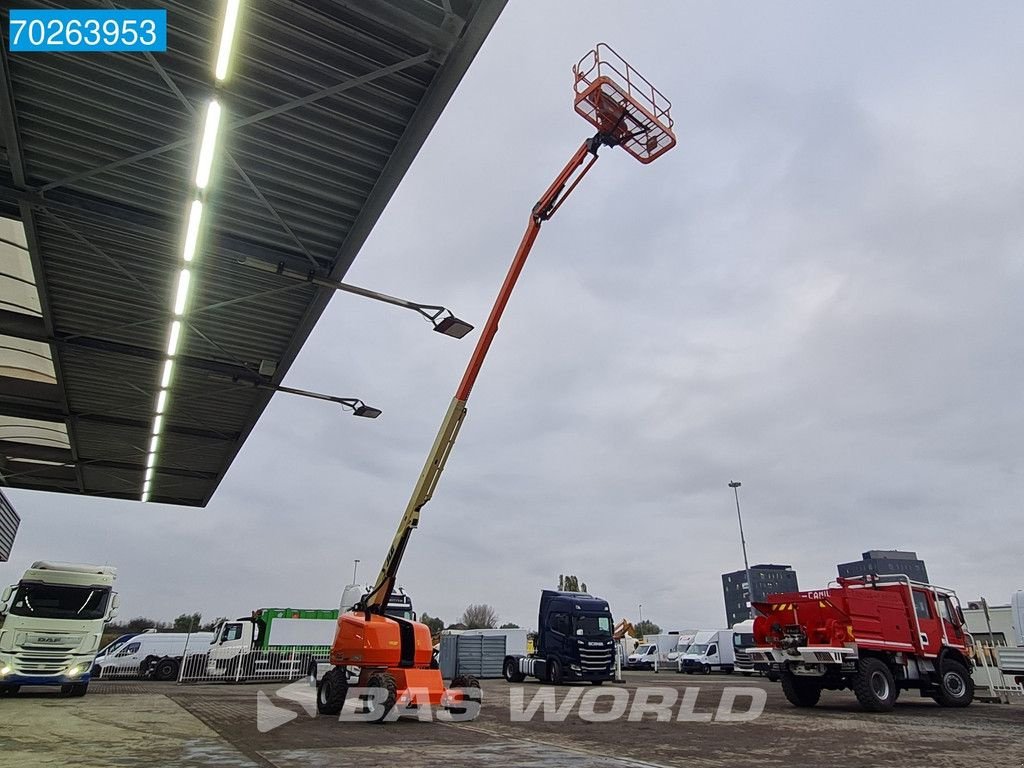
(396, 655)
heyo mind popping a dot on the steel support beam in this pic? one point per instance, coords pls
(16, 161)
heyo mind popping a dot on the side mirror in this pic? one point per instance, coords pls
(8, 591)
(116, 601)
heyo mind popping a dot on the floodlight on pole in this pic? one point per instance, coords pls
(357, 406)
(443, 319)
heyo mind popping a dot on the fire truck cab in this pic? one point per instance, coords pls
(875, 635)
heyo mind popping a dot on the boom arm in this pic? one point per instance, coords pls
(549, 203)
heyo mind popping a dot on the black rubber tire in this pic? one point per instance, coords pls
(874, 685)
(510, 671)
(331, 692)
(706, 669)
(464, 683)
(165, 669)
(74, 690)
(380, 709)
(95, 671)
(955, 688)
(556, 675)
(800, 691)
(746, 674)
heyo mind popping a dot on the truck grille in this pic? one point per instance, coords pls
(743, 660)
(596, 659)
(34, 663)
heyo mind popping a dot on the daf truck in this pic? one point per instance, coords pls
(54, 619)
(574, 642)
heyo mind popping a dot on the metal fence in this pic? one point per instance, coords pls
(989, 679)
(222, 665)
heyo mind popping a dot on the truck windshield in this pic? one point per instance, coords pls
(58, 601)
(593, 625)
(697, 649)
(743, 640)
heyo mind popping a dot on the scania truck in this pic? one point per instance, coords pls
(54, 619)
(574, 642)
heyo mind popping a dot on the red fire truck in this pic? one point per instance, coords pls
(876, 635)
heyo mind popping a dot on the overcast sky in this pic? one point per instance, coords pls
(817, 293)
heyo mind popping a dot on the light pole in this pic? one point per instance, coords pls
(357, 406)
(355, 568)
(641, 609)
(443, 320)
(746, 565)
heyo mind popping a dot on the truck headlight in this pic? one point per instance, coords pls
(5, 671)
(74, 671)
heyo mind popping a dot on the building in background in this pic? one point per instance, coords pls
(885, 562)
(767, 578)
(9, 522)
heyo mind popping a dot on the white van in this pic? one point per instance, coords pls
(151, 654)
(711, 651)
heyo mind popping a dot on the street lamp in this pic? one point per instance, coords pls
(355, 568)
(746, 565)
(443, 320)
(641, 609)
(358, 407)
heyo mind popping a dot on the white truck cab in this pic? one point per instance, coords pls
(54, 621)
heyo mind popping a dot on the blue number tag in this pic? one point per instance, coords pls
(32, 31)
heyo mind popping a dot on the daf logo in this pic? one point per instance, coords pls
(48, 639)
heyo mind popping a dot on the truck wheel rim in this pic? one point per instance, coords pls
(954, 684)
(880, 686)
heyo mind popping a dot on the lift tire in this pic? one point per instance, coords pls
(555, 674)
(511, 671)
(165, 669)
(874, 685)
(380, 709)
(74, 690)
(956, 688)
(331, 692)
(799, 691)
(463, 683)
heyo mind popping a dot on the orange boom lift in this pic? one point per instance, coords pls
(395, 655)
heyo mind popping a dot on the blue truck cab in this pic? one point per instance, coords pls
(574, 641)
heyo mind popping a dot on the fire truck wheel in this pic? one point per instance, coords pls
(511, 671)
(379, 709)
(331, 691)
(956, 688)
(800, 691)
(874, 686)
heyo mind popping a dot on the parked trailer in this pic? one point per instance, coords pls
(54, 621)
(875, 635)
(574, 641)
